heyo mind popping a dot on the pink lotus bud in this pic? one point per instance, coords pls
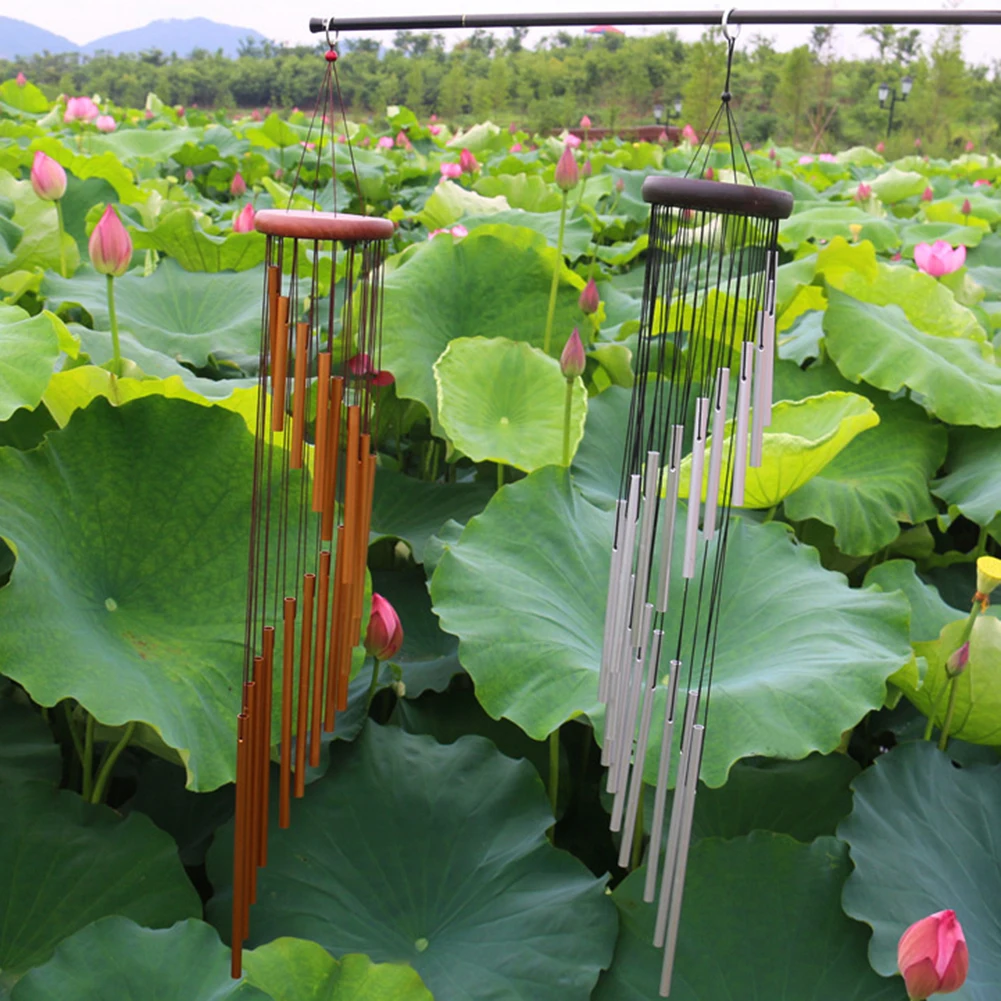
(827, 158)
(710, 174)
(179, 110)
(255, 115)
(573, 359)
(149, 114)
(433, 118)
(881, 147)
(382, 378)
(620, 185)
(585, 122)
(966, 207)
(384, 635)
(450, 170)
(360, 365)
(243, 222)
(110, 245)
(189, 175)
(385, 142)
(897, 257)
(805, 160)
(238, 186)
(932, 956)
(662, 138)
(47, 178)
(589, 300)
(771, 153)
(917, 144)
(512, 128)
(927, 195)
(863, 193)
(689, 135)
(567, 174)
(939, 258)
(516, 148)
(401, 139)
(970, 146)
(778, 163)
(279, 173)
(585, 170)
(468, 163)
(21, 79)
(747, 147)
(958, 659)
(267, 110)
(572, 141)
(295, 109)
(981, 182)
(435, 130)
(105, 123)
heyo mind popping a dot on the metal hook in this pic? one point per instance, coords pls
(326, 31)
(727, 26)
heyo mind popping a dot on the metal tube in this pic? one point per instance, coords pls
(663, 776)
(610, 605)
(716, 453)
(768, 362)
(671, 516)
(651, 497)
(758, 390)
(743, 419)
(434, 22)
(695, 485)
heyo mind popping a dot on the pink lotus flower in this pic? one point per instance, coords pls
(468, 163)
(255, 115)
(110, 245)
(189, 175)
(308, 146)
(435, 130)
(662, 138)
(585, 122)
(238, 186)
(385, 142)
(710, 174)
(573, 359)
(917, 144)
(927, 195)
(572, 141)
(105, 123)
(881, 147)
(939, 258)
(803, 161)
(981, 182)
(360, 365)
(897, 257)
(516, 148)
(384, 635)
(933, 957)
(433, 118)
(21, 79)
(48, 179)
(689, 135)
(567, 174)
(243, 222)
(179, 110)
(827, 158)
(459, 231)
(80, 109)
(970, 146)
(589, 300)
(149, 115)
(863, 193)
(402, 140)
(450, 170)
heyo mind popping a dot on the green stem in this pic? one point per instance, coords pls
(500, 475)
(116, 348)
(71, 726)
(554, 775)
(553, 288)
(567, 404)
(981, 549)
(637, 855)
(770, 515)
(374, 684)
(108, 765)
(88, 759)
(62, 234)
(943, 739)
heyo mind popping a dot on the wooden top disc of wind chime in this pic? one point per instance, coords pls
(303, 224)
(718, 196)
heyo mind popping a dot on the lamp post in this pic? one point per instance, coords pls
(887, 93)
(672, 113)
(658, 112)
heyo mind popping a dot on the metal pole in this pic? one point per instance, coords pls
(433, 22)
(889, 124)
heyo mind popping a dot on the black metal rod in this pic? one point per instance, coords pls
(428, 22)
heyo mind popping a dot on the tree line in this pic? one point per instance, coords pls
(811, 97)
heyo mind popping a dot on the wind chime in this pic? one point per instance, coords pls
(309, 533)
(707, 340)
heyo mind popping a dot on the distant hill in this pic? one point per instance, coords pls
(19, 38)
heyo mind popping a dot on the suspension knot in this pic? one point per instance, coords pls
(725, 97)
(330, 55)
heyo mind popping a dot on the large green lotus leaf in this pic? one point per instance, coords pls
(413, 510)
(954, 234)
(474, 897)
(761, 921)
(23, 97)
(929, 612)
(29, 346)
(972, 483)
(179, 235)
(522, 191)
(825, 222)
(182, 315)
(880, 345)
(804, 436)
(504, 401)
(39, 244)
(27, 751)
(130, 529)
(294, 969)
(879, 480)
(116, 958)
(525, 588)
(597, 465)
(65, 863)
(923, 837)
(977, 716)
(131, 145)
(449, 202)
(801, 341)
(493, 283)
(895, 185)
(577, 232)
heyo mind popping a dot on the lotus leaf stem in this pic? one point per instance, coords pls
(567, 406)
(62, 234)
(108, 764)
(943, 739)
(88, 759)
(554, 287)
(374, 684)
(554, 777)
(74, 735)
(116, 348)
(637, 854)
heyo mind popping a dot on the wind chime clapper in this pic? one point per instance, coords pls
(309, 534)
(707, 342)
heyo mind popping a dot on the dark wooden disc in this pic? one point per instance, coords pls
(305, 225)
(717, 196)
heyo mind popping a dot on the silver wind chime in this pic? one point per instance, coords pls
(707, 346)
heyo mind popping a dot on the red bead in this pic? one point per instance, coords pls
(330, 56)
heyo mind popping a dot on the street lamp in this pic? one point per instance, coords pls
(658, 112)
(887, 93)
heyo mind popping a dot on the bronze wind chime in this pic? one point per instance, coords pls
(313, 476)
(707, 340)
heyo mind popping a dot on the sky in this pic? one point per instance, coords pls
(288, 21)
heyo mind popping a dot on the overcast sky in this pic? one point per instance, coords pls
(288, 21)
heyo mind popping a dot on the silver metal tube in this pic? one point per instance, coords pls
(613, 714)
(741, 427)
(768, 361)
(610, 605)
(636, 778)
(677, 814)
(670, 515)
(651, 498)
(716, 453)
(684, 840)
(695, 485)
(759, 389)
